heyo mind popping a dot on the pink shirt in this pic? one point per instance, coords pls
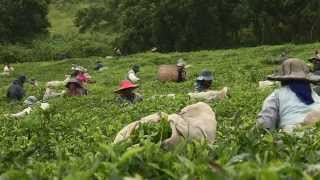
(82, 78)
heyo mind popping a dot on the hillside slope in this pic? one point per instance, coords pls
(74, 139)
(62, 41)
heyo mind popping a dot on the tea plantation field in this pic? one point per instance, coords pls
(73, 139)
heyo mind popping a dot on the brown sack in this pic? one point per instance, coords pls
(167, 73)
(194, 122)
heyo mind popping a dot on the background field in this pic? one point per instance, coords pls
(73, 140)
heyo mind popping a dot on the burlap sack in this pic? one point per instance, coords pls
(312, 117)
(51, 93)
(53, 84)
(209, 95)
(167, 73)
(127, 131)
(266, 84)
(196, 121)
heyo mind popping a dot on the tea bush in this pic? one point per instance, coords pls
(73, 139)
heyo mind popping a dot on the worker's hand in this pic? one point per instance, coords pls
(312, 118)
(44, 106)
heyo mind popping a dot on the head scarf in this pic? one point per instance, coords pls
(303, 91)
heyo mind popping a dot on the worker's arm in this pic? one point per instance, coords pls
(22, 113)
(132, 77)
(51, 94)
(269, 116)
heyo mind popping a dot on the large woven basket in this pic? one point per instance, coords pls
(167, 73)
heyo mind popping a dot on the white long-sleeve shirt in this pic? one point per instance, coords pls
(50, 93)
(285, 110)
(28, 110)
(132, 76)
(22, 113)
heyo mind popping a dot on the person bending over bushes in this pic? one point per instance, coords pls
(7, 69)
(132, 74)
(75, 88)
(126, 93)
(203, 86)
(99, 66)
(316, 70)
(16, 90)
(31, 103)
(182, 73)
(294, 104)
(81, 74)
(204, 81)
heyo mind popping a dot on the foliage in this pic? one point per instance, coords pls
(57, 47)
(155, 133)
(73, 139)
(21, 19)
(198, 24)
(13, 54)
(63, 42)
(283, 21)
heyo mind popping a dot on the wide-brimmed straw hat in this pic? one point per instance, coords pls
(78, 68)
(205, 75)
(125, 85)
(294, 69)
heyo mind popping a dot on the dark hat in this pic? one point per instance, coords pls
(73, 81)
(136, 67)
(22, 79)
(205, 75)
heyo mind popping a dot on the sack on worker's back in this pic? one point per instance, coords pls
(210, 95)
(168, 73)
(194, 122)
(266, 84)
(127, 131)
